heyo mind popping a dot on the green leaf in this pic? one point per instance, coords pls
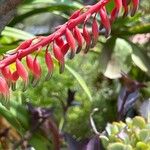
(68, 2)
(119, 146)
(44, 8)
(80, 80)
(16, 33)
(115, 57)
(144, 135)
(20, 112)
(141, 146)
(139, 122)
(140, 58)
(11, 118)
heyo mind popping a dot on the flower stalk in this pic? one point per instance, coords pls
(67, 38)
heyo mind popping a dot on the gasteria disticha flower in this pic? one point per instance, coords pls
(67, 38)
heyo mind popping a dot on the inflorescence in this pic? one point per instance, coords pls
(68, 38)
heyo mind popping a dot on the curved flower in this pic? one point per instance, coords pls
(73, 41)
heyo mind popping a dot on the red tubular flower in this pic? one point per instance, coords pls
(29, 61)
(60, 47)
(75, 14)
(59, 56)
(59, 41)
(79, 38)
(6, 73)
(49, 63)
(105, 20)
(113, 15)
(14, 78)
(118, 4)
(37, 68)
(125, 6)
(135, 6)
(71, 41)
(25, 44)
(36, 71)
(22, 72)
(65, 48)
(4, 89)
(95, 32)
(116, 10)
(87, 37)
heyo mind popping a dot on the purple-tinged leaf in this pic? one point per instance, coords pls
(72, 143)
(131, 85)
(130, 100)
(94, 144)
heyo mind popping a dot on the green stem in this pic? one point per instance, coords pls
(138, 29)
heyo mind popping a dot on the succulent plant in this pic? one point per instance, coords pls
(133, 134)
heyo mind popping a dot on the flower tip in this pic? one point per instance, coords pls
(79, 48)
(4, 88)
(48, 76)
(72, 54)
(61, 67)
(21, 70)
(135, 7)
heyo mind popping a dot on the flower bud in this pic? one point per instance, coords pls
(71, 41)
(21, 70)
(6, 73)
(105, 20)
(87, 38)
(4, 89)
(59, 56)
(59, 41)
(25, 44)
(95, 32)
(50, 65)
(79, 38)
(65, 48)
(135, 6)
(29, 62)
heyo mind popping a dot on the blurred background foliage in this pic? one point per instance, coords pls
(94, 77)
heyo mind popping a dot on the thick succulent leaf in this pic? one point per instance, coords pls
(119, 146)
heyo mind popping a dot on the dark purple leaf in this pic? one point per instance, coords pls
(130, 100)
(36, 113)
(71, 97)
(128, 95)
(94, 144)
(131, 85)
(50, 128)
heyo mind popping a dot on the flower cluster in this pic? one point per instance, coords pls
(68, 38)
